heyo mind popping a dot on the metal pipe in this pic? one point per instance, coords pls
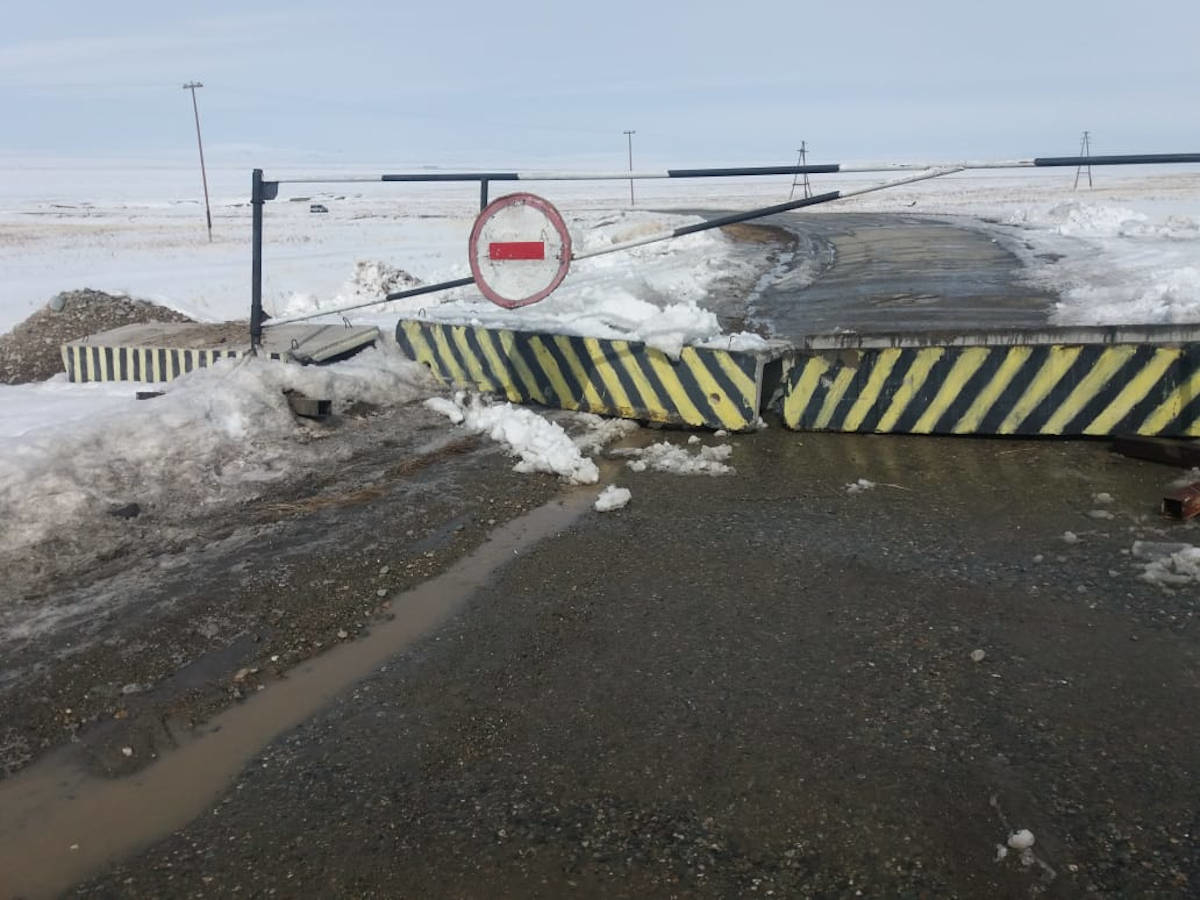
(256, 310)
(398, 295)
(761, 213)
(752, 171)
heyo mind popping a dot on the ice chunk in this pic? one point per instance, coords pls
(612, 497)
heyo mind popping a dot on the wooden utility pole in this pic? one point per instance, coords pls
(191, 86)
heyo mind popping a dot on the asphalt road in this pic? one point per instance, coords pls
(891, 272)
(762, 684)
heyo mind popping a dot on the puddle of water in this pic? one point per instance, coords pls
(60, 825)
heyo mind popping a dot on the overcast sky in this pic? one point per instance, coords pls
(509, 84)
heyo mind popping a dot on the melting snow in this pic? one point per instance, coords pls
(612, 497)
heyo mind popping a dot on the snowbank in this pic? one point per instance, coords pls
(216, 435)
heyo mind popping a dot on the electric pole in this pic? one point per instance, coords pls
(629, 136)
(1085, 150)
(191, 86)
(801, 162)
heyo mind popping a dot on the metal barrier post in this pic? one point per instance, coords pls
(256, 310)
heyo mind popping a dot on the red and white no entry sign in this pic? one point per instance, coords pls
(519, 251)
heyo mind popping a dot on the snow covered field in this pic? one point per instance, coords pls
(1127, 251)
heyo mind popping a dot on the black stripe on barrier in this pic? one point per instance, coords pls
(1140, 358)
(1014, 390)
(1133, 159)
(756, 213)
(824, 169)
(453, 176)
(1133, 420)
(887, 394)
(1088, 356)
(963, 400)
(425, 289)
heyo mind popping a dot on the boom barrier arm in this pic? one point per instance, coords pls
(718, 222)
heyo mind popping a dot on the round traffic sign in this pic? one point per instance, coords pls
(520, 250)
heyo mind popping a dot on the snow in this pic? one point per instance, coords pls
(216, 434)
(667, 457)
(1168, 564)
(612, 497)
(541, 445)
(1021, 840)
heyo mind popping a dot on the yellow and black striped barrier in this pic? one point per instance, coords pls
(1067, 381)
(704, 387)
(92, 362)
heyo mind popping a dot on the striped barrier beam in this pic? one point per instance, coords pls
(1070, 381)
(705, 387)
(95, 362)
(1130, 159)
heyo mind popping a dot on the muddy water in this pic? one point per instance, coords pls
(58, 824)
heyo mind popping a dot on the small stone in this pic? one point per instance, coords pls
(74, 846)
(342, 633)
(127, 751)
(977, 655)
(1070, 537)
(131, 688)
(1038, 558)
(241, 675)
(385, 570)
(381, 593)
(127, 511)
(1100, 514)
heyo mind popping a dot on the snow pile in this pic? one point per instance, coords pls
(667, 457)
(612, 497)
(542, 445)
(1113, 264)
(1082, 219)
(372, 280)
(215, 436)
(1168, 564)
(859, 486)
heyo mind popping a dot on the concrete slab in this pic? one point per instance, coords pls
(705, 387)
(162, 351)
(1082, 381)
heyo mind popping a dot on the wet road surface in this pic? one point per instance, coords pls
(892, 272)
(762, 684)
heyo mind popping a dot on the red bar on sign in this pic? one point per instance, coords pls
(517, 250)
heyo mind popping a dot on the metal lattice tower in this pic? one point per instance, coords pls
(1085, 150)
(798, 178)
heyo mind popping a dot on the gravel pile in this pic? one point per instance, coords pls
(31, 351)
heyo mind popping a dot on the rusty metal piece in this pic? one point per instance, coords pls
(1171, 451)
(1183, 503)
